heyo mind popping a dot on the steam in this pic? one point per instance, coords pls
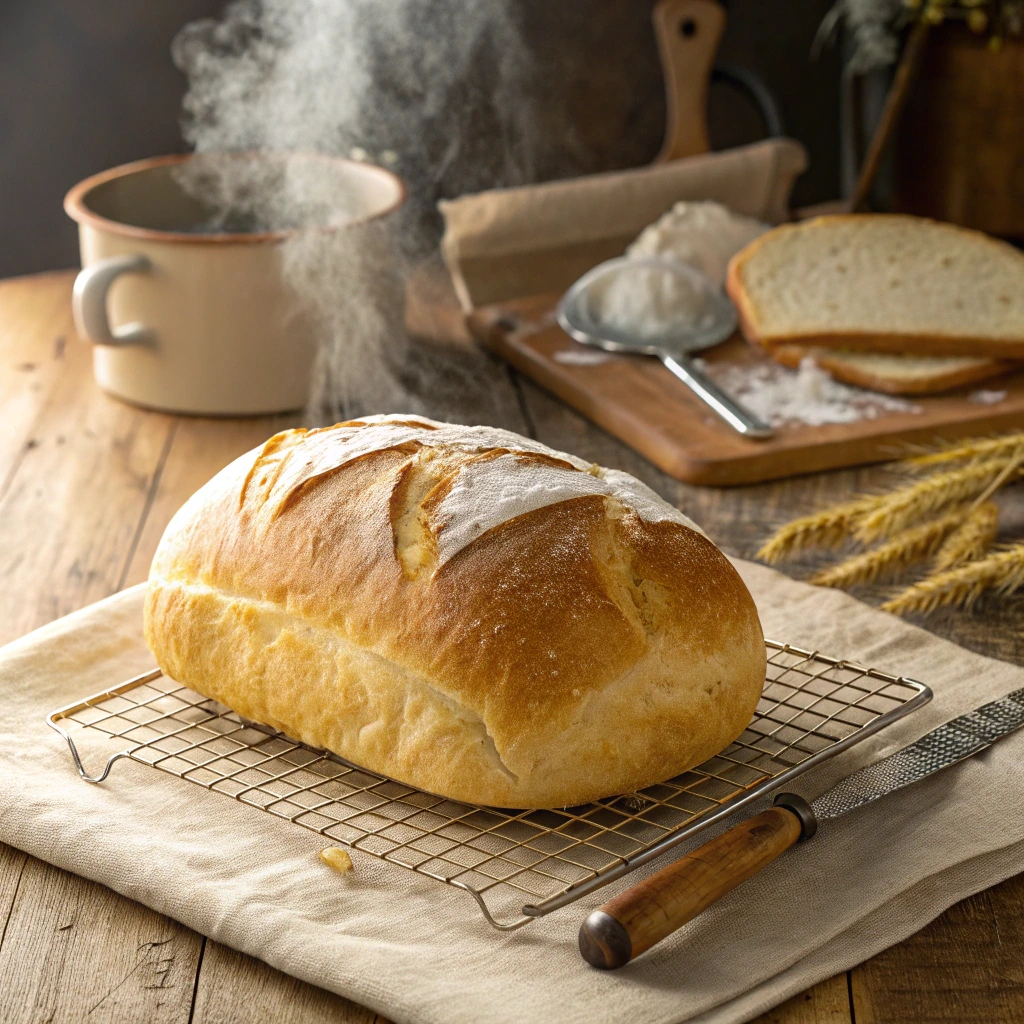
(442, 89)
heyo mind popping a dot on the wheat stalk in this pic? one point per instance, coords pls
(910, 546)
(1003, 571)
(827, 528)
(900, 509)
(973, 450)
(972, 538)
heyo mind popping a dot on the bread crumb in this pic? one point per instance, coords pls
(337, 858)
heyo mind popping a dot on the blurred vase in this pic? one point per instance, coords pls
(959, 151)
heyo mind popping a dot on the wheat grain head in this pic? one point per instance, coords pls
(971, 539)
(900, 509)
(969, 451)
(905, 548)
(1002, 571)
(827, 528)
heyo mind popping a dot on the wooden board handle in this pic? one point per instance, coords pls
(635, 920)
(688, 33)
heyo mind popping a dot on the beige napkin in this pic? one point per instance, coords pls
(512, 242)
(416, 950)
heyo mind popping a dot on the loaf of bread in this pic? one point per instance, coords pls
(895, 374)
(881, 283)
(458, 608)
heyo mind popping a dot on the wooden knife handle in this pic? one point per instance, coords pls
(635, 920)
(688, 33)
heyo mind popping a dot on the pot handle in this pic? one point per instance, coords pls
(89, 301)
(753, 85)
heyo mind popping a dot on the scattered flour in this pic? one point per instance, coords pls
(808, 395)
(489, 492)
(706, 235)
(983, 397)
(581, 357)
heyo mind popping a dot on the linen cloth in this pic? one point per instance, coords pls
(416, 950)
(509, 242)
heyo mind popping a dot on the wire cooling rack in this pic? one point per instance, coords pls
(518, 865)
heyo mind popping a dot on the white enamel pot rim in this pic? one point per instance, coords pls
(77, 208)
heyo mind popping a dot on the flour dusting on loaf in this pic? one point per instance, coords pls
(460, 608)
(487, 493)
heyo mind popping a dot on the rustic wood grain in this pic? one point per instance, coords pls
(78, 470)
(80, 513)
(236, 989)
(12, 867)
(77, 493)
(965, 966)
(640, 401)
(74, 951)
(826, 1003)
(33, 329)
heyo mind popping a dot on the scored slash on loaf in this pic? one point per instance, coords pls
(459, 608)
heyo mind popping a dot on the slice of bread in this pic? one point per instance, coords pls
(881, 283)
(893, 374)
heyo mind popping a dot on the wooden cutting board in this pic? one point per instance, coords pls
(639, 401)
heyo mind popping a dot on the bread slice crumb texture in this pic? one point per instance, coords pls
(881, 282)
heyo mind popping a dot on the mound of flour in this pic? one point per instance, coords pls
(706, 235)
(651, 302)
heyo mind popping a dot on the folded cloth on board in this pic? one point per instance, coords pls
(511, 242)
(416, 950)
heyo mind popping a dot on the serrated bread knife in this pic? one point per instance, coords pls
(641, 916)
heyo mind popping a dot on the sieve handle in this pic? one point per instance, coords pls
(742, 420)
(642, 916)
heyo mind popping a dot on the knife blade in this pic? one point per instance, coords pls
(958, 739)
(643, 915)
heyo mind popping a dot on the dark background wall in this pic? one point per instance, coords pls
(87, 84)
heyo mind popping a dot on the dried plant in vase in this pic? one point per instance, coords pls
(945, 516)
(950, 124)
(875, 26)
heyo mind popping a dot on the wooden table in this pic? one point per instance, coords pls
(88, 483)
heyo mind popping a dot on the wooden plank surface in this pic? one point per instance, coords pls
(638, 400)
(87, 485)
(94, 956)
(233, 988)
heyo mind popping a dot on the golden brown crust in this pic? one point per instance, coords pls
(900, 344)
(904, 343)
(793, 355)
(571, 652)
(740, 299)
